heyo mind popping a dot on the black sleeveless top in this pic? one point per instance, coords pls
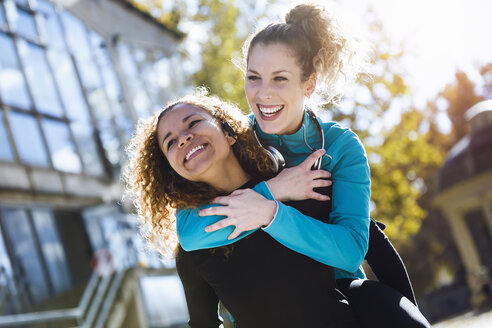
(263, 283)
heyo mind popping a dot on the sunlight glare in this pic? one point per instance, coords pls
(440, 36)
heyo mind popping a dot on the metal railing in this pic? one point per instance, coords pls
(97, 299)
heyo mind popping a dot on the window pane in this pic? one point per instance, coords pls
(94, 230)
(152, 73)
(4, 258)
(39, 78)
(3, 21)
(12, 85)
(70, 90)
(6, 153)
(127, 61)
(112, 87)
(98, 101)
(62, 150)
(25, 24)
(84, 137)
(110, 141)
(77, 37)
(8, 286)
(111, 83)
(27, 138)
(91, 79)
(52, 248)
(141, 101)
(89, 75)
(23, 2)
(77, 111)
(50, 25)
(30, 271)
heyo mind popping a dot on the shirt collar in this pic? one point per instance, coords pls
(295, 141)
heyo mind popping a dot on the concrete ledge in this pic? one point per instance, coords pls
(46, 181)
(13, 176)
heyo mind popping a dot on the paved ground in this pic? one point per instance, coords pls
(468, 320)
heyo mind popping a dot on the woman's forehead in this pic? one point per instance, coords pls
(272, 57)
(179, 114)
(183, 110)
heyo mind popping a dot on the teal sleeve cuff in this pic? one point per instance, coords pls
(263, 189)
(192, 235)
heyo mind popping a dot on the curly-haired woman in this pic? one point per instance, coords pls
(194, 150)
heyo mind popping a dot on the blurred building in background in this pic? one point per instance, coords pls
(74, 78)
(465, 199)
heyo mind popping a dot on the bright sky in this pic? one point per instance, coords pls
(440, 35)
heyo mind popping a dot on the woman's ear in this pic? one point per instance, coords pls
(310, 85)
(230, 139)
(229, 132)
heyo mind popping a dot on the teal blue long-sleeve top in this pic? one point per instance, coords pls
(341, 243)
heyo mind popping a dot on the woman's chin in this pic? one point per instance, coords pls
(198, 172)
(269, 127)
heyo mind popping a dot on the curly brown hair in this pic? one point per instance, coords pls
(158, 191)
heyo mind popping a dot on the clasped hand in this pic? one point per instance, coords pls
(248, 210)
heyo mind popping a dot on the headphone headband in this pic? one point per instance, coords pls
(228, 128)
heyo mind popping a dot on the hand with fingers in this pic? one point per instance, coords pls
(298, 182)
(245, 209)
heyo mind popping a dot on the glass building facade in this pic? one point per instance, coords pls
(71, 92)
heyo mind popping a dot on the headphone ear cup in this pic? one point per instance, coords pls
(276, 157)
(278, 160)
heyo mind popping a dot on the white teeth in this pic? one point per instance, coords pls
(191, 152)
(270, 111)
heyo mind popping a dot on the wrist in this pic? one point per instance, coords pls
(275, 189)
(272, 211)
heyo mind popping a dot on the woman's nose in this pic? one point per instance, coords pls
(265, 91)
(184, 139)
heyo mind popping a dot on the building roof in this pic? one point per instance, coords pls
(176, 33)
(471, 155)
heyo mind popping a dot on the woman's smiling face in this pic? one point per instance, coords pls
(274, 88)
(193, 141)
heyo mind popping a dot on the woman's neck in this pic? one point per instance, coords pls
(229, 176)
(298, 123)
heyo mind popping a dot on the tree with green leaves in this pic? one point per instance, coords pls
(402, 157)
(218, 72)
(401, 167)
(459, 97)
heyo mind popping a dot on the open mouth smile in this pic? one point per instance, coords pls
(270, 111)
(193, 152)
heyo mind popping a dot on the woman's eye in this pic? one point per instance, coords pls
(280, 78)
(253, 77)
(170, 143)
(193, 123)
